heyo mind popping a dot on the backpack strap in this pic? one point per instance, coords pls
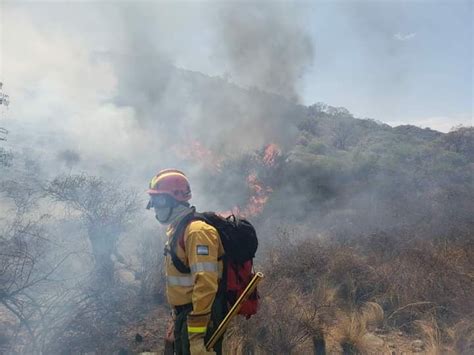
(178, 237)
(202, 217)
(178, 264)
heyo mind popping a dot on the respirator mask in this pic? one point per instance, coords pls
(167, 209)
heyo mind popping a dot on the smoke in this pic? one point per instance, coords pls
(61, 100)
(175, 107)
(118, 91)
(265, 46)
(105, 83)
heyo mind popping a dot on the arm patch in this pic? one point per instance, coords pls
(202, 250)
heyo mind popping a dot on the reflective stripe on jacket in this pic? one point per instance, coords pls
(202, 250)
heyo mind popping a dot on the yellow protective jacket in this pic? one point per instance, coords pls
(201, 254)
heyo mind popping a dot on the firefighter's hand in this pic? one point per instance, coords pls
(169, 337)
(196, 344)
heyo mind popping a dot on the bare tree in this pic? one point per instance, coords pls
(27, 273)
(105, 208)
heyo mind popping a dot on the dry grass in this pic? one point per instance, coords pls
(461, 335)
(371, 314)
(324, 293)
(342, 292)
(352, 329)
(351, 334)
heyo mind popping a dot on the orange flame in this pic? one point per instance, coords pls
(259, 198)
(256, 202)
(259, 193)
(270, 154)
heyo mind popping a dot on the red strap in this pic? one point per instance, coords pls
(181, 237)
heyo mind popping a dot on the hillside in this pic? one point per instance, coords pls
(366, 230)
(373, 176)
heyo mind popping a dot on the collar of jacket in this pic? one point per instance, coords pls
(172, 227)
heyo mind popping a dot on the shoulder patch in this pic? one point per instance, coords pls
(202, 250)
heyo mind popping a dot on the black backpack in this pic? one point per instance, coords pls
(240, 243)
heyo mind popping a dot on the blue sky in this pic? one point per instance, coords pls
(401, 61)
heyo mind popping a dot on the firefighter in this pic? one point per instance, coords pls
(197, 305)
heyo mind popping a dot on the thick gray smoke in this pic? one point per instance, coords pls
(175, 107)
(265, 46)
(107, 85)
